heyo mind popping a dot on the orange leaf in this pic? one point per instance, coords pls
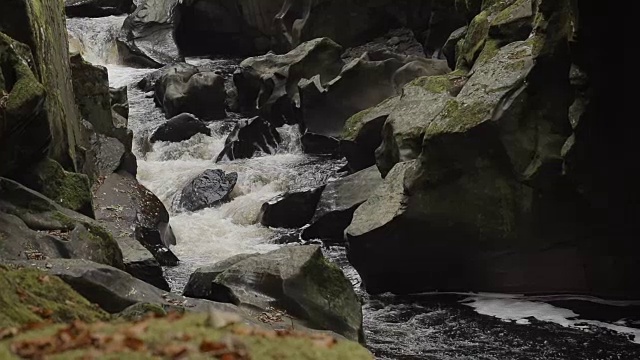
(209, 346)
(134, 343)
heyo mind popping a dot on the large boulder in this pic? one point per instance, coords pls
(296, 279)
(363, 83)
(485, 206)
(250, 137)
(120, 221)
(24, 128)
(149, 81)
(338, 202)
(202, 94)
(209, 189)
(35, 227)
(180, 128)
(290, 210)
(40, 24)
(138, 215)
(264, 79)
(147, 35)
(398, 41)
(30, 296)
(97, 8)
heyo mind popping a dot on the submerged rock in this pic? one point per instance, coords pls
(338, 202)
(290, 210)
(250, 137)
(180, 128)
(296, 279)
(147, 38)
(209, 189)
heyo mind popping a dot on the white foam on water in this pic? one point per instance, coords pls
(519, 309)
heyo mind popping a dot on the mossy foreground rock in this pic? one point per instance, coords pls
(30, 296)
(35, 227)
(213, 336)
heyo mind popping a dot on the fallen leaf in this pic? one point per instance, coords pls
(174, 351)
(210, 346)
(44, 279)
(134, 343)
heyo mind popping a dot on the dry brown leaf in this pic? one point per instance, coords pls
(44, 279)
(134, 343)
(174, 351)
(211, 346)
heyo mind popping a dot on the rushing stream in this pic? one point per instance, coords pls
(427, 326)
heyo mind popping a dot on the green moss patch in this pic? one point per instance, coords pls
(31, 296)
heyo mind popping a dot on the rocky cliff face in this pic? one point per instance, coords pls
(480, 193)
(40, 25)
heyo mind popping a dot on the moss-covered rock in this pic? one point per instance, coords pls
(294, 279)
(30, 296)
(191, 336)
(35, 227)
(69, 190)
(40, 24)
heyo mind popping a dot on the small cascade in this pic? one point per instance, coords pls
(95, 38)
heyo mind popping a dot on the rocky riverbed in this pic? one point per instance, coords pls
(417, 182)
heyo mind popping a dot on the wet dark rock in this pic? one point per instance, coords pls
(186, 89)
(180, 128)
(146, 37)
(250, 137)
(209, 189)
(338, 202)
(137, 216)
(97, 8)
(148, 82)
(35, 227)
(290, 210)
(319, 144)
(120, 101)
(296, 279)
